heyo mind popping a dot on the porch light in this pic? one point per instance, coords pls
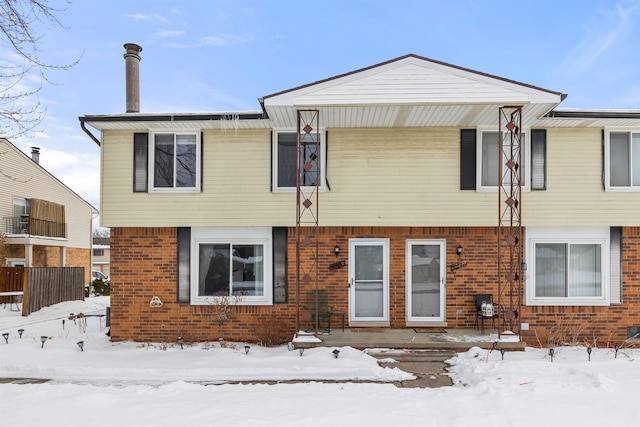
(180, 341)
(81, 345)
(336, 352)
(459, 250)
(43, 339)
(6, 337)
(523, 266)
(336, 250)
(246, 349)
(20, 332)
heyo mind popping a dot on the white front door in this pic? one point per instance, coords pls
(369, 280)
(426, 268)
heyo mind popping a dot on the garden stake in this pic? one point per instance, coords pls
(406, 352)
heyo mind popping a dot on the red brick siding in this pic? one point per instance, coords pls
(144, 265)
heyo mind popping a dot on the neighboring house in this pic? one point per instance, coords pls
(101, 255)
(400, 220)
(44, 223)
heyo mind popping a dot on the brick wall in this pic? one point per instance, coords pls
(143, 265)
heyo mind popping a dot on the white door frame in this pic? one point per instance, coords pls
(443, 279)
(384, 244)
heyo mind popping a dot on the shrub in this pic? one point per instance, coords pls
(273, 331)
(100, 287)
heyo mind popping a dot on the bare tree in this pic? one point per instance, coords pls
(20, 108)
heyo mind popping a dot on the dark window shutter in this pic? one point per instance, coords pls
(615, 244)
(184, 264)
(538, 159)
(279, 265)
(140, 162)
(467, 159)
(326, 159)
(271, 163)
(201, 162)
(604, 185)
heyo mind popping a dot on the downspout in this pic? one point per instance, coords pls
(88, 132)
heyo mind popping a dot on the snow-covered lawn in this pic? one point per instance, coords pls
(157, 384)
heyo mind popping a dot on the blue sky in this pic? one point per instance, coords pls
(221, 55)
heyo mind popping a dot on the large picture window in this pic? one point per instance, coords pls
(232, 262)
(285, 169)
(568, 266)
(622, 161)
(487, 161)
(175, 162)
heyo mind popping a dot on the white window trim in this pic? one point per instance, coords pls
(526, 156)
(151, 166)
(598, 235)
(323, 160)
(242, 235)
(607, 161)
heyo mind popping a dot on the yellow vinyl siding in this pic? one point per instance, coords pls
(378, 177)
(575, 193)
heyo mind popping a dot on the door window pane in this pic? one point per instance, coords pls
(425, 281)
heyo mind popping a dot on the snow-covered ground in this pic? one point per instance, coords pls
(160, 384)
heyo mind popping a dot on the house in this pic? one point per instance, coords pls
(101, 255)
(418, 184)
(44, 223)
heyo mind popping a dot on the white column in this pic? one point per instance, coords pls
(28, 255)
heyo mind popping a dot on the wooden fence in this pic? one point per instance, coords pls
(42, 286)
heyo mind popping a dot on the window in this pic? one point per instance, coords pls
(98, 252)
(487, 158)
(568, 266)
(231, 262)
(175, 162)
(311, 160)
(622, 161)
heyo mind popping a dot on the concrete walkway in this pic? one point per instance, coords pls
(458, 340)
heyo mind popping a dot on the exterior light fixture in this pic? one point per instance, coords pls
(81, 345)
(20, 332)
(336, 250)
(336, 352)
(301, 350)
(551, 354)
(63, 324)
(43, 339)
(180, 341)
(459, 250)
(6, 337)
(589, 353)
(523, 266)
(246, 349)
(616, 348)
(502, 350)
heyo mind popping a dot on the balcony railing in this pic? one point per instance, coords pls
(27, 226)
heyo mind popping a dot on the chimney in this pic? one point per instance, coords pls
(35, 154)
(132, 63)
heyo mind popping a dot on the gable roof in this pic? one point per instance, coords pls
(31, 163)
(411, 91)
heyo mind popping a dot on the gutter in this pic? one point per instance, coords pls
(88, 132)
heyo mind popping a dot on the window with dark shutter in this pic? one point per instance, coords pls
(140, 162)
(467, 159)
(279, 265)
(184, 263)
(538, 159)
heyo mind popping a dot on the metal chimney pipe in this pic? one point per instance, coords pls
(35, 154)
(132, 64)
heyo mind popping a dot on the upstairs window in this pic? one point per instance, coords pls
(285, 169)
(174, 162)
(622, 161)
(487, 161)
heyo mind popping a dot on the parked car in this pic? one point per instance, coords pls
(95, 274)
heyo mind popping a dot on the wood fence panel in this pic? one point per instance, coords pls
(51, 285)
